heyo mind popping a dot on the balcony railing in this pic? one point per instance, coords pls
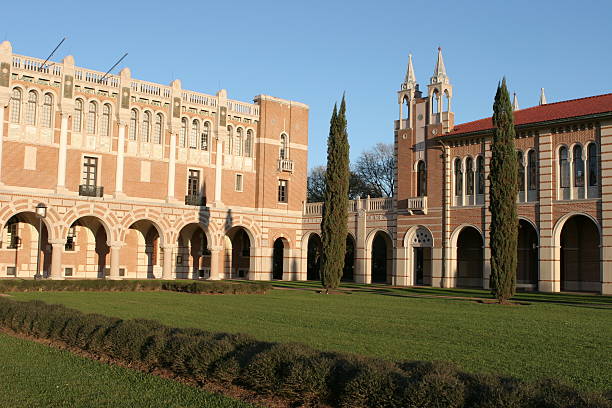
(195, 200)
(285, 165)
(418, 204)
(368, 204)
(91, 191)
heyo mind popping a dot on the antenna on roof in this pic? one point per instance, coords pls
(111, 68)
(50, 55)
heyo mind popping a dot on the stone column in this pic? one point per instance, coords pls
(56, 259)
(169, 254)
(63, 152)
(548, 281)
(1, 136)
(171, 167)
(486, 225)
(218, 173)
(362, 274)
(120, 160)
(605, 180)
(216, 263)
(115, 248)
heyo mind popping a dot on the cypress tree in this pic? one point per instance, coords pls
(503, 192)
(335, 206)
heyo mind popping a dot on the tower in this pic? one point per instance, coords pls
(440, 93)
(406, 95)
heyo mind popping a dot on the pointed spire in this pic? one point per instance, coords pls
(440, 70)
(515, 105)
(542, 97)
(410, 77)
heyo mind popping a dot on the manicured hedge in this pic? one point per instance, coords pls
(103, 285)
(295, 372)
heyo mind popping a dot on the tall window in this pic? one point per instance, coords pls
(157, 130)
(12, 237)
(282, 191)
(421, 179)
(284, 147)
(239, 182)
(90, 171)
(31, 108)
(481, 176)
(146, 127)
(469, 174)
(578, 167)
(183, 133)
(193, 136)
(204, 137)
(248, 144)
(521, 171)
(77, 121)
(238, 143)
(16, 105)
(532, 170)
(133, 124)
(193, 183)
(47, 110)
(458, 177)
(91, 118)
(564, 168)
(230, 138)
(592, 152)
(105, 124)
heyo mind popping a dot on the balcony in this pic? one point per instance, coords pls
(417, 204)
(195, 200)
(91, 191)
(285, 165)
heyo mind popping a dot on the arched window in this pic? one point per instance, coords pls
(481, 175)
(146, 127)
(157, 130)
(133, 124)
(578, 167)
(458, 178)
(406, 103)
(16, 105)
(31, 108)
(532, 170)
(183, 133)
(193, 136)
(592, 152)
(238, 143)
(105, 124)
(91, 117)
(284, 147)
(446, 102)
(469, 176)
(77, 121)
(248, 144)
(564, 168)
(520, 182)
(47, 110)
(435, 102)
(205, 133)
(421, 179)
(230, 138)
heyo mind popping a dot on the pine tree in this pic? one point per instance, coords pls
(335, 206)
(503, 192)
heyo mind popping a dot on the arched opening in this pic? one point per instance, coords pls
(435, 103)
(421, 179)
(469, 258)
(527, 265)
(145, 260)
(348, 273)
(20, 246)
(382, 258)
(278, 259)
(238, 253)
(406, 103)
(446, 102)
(87, 253)
(580, 255)
(193, 253)
(313, 263)
(422, 242)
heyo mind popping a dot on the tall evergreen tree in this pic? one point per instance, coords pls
(335, 206)
(503, 192)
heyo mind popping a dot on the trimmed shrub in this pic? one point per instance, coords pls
(295, 372)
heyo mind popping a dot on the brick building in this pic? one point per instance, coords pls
(143, 180)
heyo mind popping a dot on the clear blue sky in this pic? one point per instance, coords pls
(312, 51)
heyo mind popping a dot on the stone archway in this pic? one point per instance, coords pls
(580, 255)
(470, 258)
(421, 244)
(348, 273)
(146, 241)
(21, 234)
(193, 256)
(381, 258)
(239, 251)
(87, 251)
(313, 264)
(279, 258)
(527, 249)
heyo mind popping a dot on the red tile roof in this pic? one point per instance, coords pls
(543, 113)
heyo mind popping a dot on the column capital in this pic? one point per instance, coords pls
(169, 247)
(115, 244)
(57, 242)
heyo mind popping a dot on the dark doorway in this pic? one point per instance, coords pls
(527, 265)
(277, 259)
(580, 258)
(313, 266)
(381, 250)
(348, 273)
(470, 259)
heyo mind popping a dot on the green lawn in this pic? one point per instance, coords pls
(564, 336)
(34, 375)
